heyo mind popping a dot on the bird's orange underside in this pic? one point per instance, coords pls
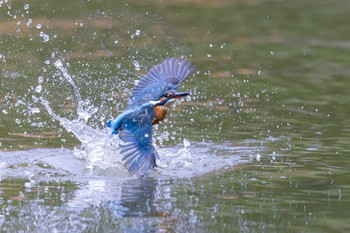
(160, 113)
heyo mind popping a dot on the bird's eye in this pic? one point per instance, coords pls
(170, 94)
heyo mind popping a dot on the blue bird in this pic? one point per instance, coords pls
(146, 107)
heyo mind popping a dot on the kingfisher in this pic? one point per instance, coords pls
(147, 106)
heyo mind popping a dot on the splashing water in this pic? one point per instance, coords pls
(100, 149)
(84, 109)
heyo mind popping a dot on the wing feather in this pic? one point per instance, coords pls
(164, 76)
(139, 154)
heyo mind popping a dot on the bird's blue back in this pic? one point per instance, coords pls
(130, 119)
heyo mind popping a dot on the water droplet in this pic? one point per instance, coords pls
(210, 45)
(38, 88)
(137, 32)
(45, 37)
(38, 26)
(165, 136)
(35, 110)
(26, 6)
(146, 135)
(58, 64)
(137, 65)
(29, 22)
(271, 52)
(208, 55)
(258, 157)
(186, 142)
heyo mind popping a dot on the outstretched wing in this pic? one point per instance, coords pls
(162, 77)
(139, 153)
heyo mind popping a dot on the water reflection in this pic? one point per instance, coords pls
(253, 196)
(97, 205)
(138, 197)
(124, 198)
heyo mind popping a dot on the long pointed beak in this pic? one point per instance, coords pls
(178, 95)
(170, 99)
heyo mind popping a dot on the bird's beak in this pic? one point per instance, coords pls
(178, 95)
(171, 100)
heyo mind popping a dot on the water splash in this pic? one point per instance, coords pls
(195, 159)
(85, 108)
(100, 149)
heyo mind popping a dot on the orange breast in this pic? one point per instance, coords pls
(160, 113)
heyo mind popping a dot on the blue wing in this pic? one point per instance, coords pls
(139, 153)
(162, 77)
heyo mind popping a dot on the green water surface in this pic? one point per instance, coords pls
(270, 74)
